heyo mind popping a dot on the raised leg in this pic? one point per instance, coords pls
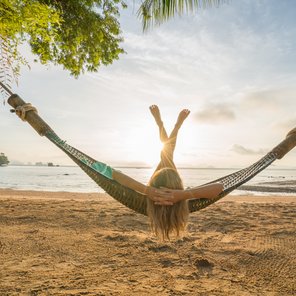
(167, 153)
(182, 116)
(156, 114)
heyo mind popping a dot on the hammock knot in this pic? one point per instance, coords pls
(21, 111)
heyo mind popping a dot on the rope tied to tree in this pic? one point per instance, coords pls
(21, 111)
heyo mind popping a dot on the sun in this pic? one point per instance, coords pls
(144, 146)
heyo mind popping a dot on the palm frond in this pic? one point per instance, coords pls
(155, 12)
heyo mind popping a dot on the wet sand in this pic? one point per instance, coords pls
(89, 244)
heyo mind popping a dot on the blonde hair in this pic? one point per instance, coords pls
(166, 220)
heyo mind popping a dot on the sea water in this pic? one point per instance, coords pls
(73, 179)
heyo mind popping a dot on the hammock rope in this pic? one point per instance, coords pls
(130, 198)
(22, 110)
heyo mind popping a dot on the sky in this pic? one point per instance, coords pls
(233, 66)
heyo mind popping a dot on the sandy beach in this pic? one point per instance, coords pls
(88, 244)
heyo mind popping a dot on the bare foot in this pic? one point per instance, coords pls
(156, 114)
(182, 116)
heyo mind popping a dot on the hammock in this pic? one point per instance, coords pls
(128, 197)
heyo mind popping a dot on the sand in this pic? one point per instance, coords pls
(89, 244)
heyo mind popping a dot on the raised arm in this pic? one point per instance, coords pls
(204, 191)
(157, 195)
(165, 196)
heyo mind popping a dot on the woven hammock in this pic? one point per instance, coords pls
(128, 197)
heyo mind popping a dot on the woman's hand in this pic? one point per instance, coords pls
(176, 194)
(207, 191)
(163, 196)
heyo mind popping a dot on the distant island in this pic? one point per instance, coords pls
(3, 160)
(50, 164)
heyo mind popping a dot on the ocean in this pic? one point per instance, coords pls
(73, 179)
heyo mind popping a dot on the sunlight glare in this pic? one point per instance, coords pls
(144, 146)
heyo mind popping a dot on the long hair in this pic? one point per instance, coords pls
(167, 220)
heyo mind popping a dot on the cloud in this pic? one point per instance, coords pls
(215, 113)
(272, 99)
(262, 99)
(286, 125)
(247, 151)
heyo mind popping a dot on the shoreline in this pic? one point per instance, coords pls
(98, 196)
(73, 179)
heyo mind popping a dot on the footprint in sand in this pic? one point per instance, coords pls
(166, 263)
(1, 247)
(204, 266)
(163, 248)
(116, 237)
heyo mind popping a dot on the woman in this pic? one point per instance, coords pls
(167, 200)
